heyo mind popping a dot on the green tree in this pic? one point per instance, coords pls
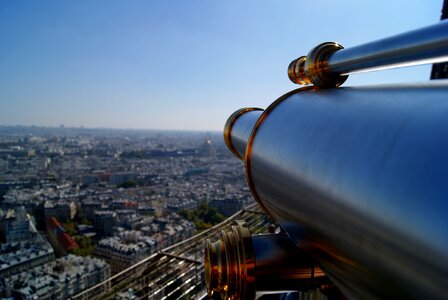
(128, 184)
(70, 227)
(85, 245)
(203, 217)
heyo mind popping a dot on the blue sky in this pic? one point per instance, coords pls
(176, 64)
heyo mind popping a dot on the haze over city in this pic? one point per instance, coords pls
(175, 64)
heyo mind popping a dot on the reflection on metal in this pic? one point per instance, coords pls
(236, 143)
(328, 64)
(179, 257)
(238, 265)
(229, 264)
(359, 178)
(247, 157)
(172, 273)
(313, 68)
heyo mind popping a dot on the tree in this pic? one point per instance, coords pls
(128, 184)
(70, 227)
(85, 246)
(203, 217)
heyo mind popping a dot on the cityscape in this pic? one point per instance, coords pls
(81, 205)
(118, 182)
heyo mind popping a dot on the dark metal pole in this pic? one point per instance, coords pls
(440, 70)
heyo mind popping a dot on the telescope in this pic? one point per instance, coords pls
(356, 178)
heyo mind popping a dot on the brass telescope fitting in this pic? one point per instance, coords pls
(313, 68)
(238, 265)
(229, 125)
(229, 264)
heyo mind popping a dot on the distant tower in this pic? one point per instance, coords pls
(206, 147)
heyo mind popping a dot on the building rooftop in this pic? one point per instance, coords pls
(63, 276)
(15, 253)
(175, 272)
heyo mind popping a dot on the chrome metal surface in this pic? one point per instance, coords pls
(240, 264)
(422, 46)
(329, 64)
(238, 128)
(282, 266)
(358, 177)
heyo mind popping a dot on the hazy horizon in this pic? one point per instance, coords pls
(62, 126)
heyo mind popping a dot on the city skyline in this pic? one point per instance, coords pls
(176, 65)
(84, 205)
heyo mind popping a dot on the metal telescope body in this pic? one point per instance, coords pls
(357, 177)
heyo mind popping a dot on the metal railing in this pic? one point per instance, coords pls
(175, 272)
